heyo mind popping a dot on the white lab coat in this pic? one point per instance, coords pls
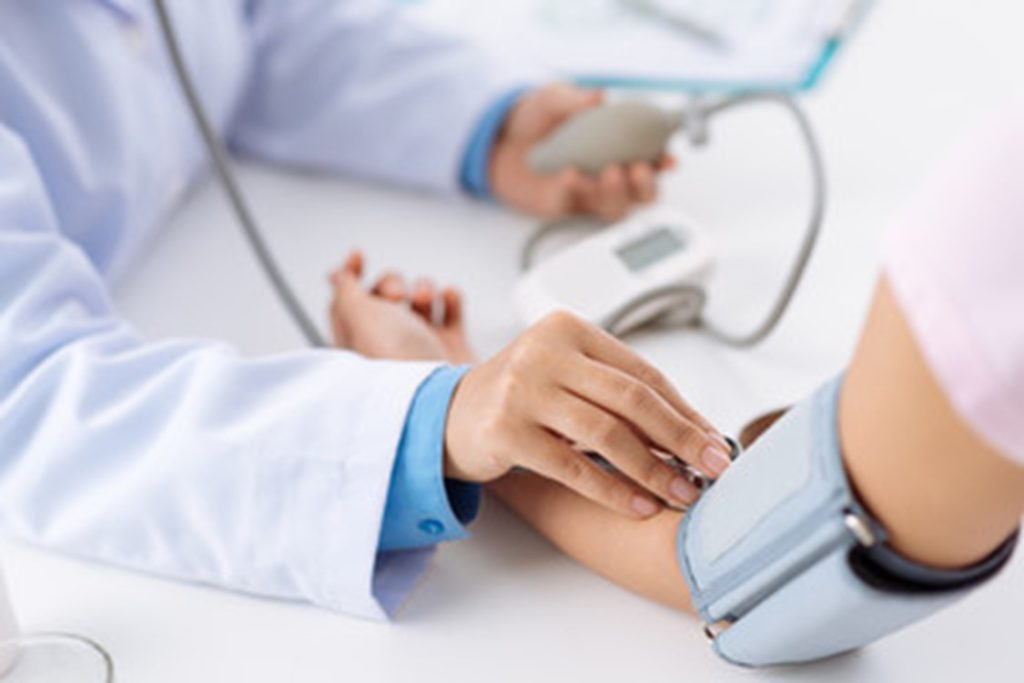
(178, 457)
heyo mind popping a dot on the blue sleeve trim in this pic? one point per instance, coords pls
(423, 508)
(474, 176)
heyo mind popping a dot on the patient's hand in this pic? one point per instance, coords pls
(390, 321)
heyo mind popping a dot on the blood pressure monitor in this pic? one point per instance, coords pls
(625, 276)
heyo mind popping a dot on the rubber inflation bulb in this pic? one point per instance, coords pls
(616, 133)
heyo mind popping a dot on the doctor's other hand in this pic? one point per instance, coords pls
(389, 320)
(563, 388)
(610, 196)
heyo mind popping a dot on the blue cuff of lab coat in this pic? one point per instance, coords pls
(476, 162)
(423, 508)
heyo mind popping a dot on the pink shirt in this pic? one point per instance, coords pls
(956, 263)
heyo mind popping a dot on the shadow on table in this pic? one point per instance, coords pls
(503, 550)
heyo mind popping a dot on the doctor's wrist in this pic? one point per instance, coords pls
(476, 173)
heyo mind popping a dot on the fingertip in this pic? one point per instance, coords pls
(642, 182)
(350, 269)
(640, 170)
(424, 286)
(571, 179)
(349, 272)
(644, 507)
(452, 306)
(422, 299)
(612, 201)
(566, 99)
(592, 98)
(612, 178)
(715, 460)
(390, 286)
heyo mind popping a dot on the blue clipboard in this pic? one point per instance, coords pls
(628, 53)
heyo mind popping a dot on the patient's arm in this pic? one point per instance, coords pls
(947, 498)
(638, 555)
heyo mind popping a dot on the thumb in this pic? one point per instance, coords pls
(561, 102)
(347, 279)
(566, 100)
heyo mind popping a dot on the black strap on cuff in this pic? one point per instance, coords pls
(883, 568)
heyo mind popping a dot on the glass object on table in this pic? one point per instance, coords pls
(47, 657)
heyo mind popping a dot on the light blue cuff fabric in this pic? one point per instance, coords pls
(475, 164)
(423, 508)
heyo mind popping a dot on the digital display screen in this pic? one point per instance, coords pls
(650, 249)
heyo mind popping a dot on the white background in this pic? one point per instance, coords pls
(505, 606)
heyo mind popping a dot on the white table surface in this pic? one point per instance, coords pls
(506, 606)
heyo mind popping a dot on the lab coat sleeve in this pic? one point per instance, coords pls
(357, 87)
(180, 458)
(475, 174)
(424, 508)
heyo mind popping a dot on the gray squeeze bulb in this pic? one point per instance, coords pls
(616, 133)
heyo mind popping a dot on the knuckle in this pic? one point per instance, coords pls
(526, 353)
(656, 473)
(492, 427)
(510, 389)
(520, 358)
(559, 321)
(607, 434)
(574, 468)
(650, 376)
(638, 397)
(617, 493)
(684, 436)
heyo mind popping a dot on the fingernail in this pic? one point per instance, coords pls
(683, 491)
(715, 459)
(645, 507)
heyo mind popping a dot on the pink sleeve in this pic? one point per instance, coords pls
(955, 261)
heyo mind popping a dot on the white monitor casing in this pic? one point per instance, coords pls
(593, 280)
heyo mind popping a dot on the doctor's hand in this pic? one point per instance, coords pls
(389, 320)
(609, 196)
(564, 387)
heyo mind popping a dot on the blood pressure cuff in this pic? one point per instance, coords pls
(784, 565)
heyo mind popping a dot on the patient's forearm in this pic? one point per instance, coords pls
(638, 555)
